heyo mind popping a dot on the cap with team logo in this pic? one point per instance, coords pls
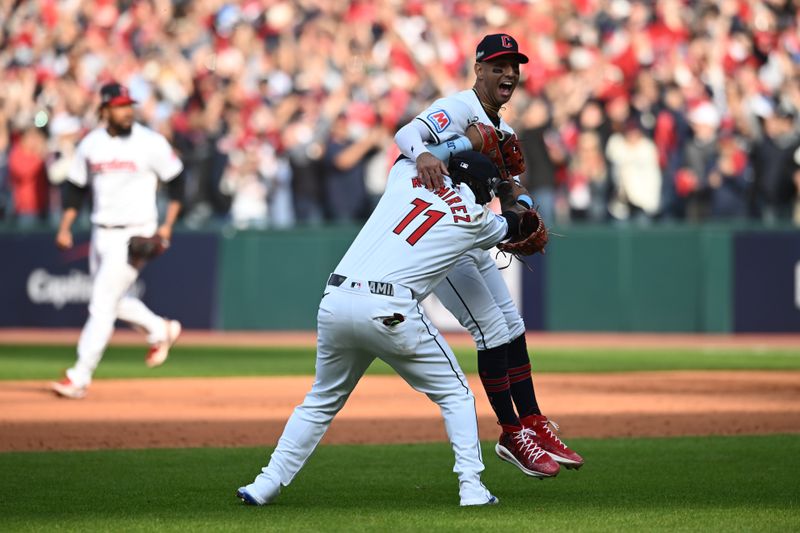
(476, 170)
(497, 45)
(114, 94)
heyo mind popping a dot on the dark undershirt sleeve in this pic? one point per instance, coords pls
(176, 186)
(72, 196)
(513, 224)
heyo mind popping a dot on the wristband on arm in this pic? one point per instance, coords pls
(446, 149)
(525, 201)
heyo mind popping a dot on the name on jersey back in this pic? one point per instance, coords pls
(451, 198)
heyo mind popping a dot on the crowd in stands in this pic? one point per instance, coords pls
(284, 110)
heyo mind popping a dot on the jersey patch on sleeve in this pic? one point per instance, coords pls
(439, 119)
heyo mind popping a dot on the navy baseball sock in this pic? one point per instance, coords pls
(521, 381)
(493, 369)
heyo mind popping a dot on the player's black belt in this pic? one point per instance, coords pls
(375, 287)
(107, 226)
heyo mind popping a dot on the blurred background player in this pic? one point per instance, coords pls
(473, 290)
(122, 162)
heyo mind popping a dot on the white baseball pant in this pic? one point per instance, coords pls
(350, 335)
(476, 294)
(112, 280)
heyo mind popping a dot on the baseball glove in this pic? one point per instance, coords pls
(502, 148)
(532, 237)
(143, 249)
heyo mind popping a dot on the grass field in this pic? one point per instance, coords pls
(744, 483)
(47, 362)
(677, 484)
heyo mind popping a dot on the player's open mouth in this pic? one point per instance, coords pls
(506, 88)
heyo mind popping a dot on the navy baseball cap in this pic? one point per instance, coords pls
(498, 45)
(477, 171)
(114, 94)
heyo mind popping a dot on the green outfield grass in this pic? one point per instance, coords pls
(46, 362)
(676, 484)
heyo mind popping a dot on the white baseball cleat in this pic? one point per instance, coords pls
(260, 492)
(492, 500)
(160, 351)
(67, 389)
(474, 493)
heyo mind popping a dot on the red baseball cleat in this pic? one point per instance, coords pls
(159, 352)
(549, 441)
(67, 389)
(518, 446)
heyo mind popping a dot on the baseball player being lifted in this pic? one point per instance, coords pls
(473, 289)
(122, 163)
(370, 308)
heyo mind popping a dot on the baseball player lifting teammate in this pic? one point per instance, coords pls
(473, 290)
(370, 308)
(122, 163)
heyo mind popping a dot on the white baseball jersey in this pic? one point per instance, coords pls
(450, 116)
(410, 241)
(124, 174)
(414, 235)
(474, 291)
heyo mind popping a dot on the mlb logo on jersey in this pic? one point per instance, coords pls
(439, 119)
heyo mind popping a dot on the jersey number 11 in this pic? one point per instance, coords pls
(420, 208)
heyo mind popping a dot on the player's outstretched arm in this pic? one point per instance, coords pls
(64, 235)
(411, 140)
(526, 230)
(431, 171)
(175, 190)
(513, 197)
(72, 199)
(446, 149)
(502, 147)
(165, 229)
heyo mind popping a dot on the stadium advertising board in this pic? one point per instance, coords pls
(46, 287)
(767, 282)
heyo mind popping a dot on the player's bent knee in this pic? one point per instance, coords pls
(456, 396)
(515, 329)
(495, 332)
(105, 312)
(494, 338)
(516, 333)
(323, 407)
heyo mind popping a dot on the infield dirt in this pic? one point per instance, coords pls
(189, 412)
